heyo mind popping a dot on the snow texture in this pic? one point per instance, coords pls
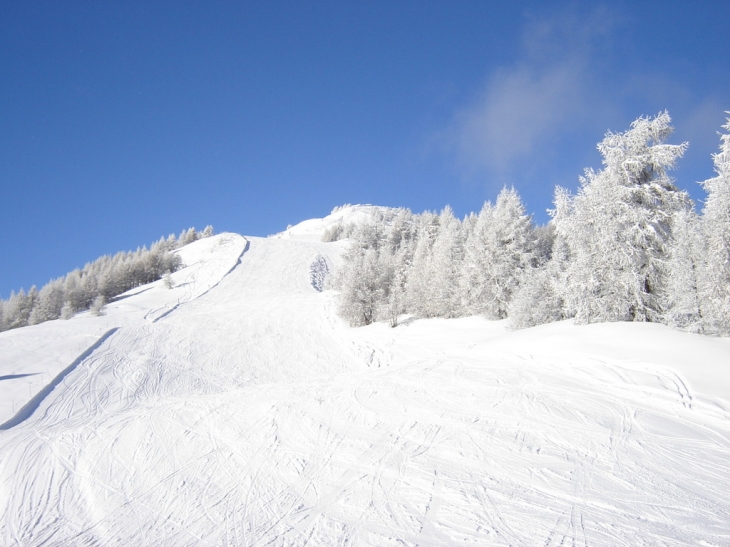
(237, 409)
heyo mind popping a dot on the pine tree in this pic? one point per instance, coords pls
(18, 308)
(473, 281)
(50, 301)
(715, 282)
(620, 226)
(98, 305)
(682, 307)
(362, 287)
(444, 266)
(420, 276)
(497, 256)
(67, 311)
(395, 302)
(539, 299)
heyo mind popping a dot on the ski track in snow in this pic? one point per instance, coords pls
(252, 416)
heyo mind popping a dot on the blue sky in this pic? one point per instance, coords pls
(121, 122)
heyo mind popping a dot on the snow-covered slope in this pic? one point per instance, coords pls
(32, 356)
(237, 409)
(313, 228)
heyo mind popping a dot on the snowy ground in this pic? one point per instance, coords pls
(240, 411)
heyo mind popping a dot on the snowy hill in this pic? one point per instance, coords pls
(237, 409)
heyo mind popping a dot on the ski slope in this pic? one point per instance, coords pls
(31, 357)
(243, 412)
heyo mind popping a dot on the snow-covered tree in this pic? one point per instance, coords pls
(98, 305)
(67, 311)
(539, 299)
(473, 282)
(18, 308)
(620, 226)
(106, 276)
(75, 297)
(682, 308)
(715, 282)
(497, 255)
(395, 303)
(420, 276)
(50, 301)
(362, 287)
(442, 297)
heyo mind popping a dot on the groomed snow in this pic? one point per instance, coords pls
(32, 356)
(249, 414)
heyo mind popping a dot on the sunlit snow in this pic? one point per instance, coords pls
(237, 409)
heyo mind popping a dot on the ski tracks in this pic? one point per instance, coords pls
(266, 422)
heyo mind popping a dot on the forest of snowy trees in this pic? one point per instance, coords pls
(98, 282)
(628, 246)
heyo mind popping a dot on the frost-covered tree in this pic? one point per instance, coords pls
(108, 276)
(473, 282)
(682, 307)
(18, 308)
(497, 256)
(98, 305)
(440, 294)
(187, 236)
(50, 301)
(539, 299)
(420, 276)
(76, 299)
(362, 286)
(395, 303)
(620, 226)
(715, 283)
(67, 311)
(373, 274)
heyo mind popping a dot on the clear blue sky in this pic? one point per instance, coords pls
(124, 121)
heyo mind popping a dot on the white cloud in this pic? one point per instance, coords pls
(519, 108)
(527, 106)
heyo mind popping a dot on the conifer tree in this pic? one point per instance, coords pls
(620, 226)
(50, 301)
(715, 282)
(681, 301)
(443, 268)
(473, 280)
(18, 308)
(362, 287)
(498, 251)
(420, 277)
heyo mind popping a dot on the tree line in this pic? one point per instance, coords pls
(98, 282)
(628, 246)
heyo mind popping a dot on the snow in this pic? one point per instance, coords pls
(312, 229)
(32, 356)
(237, 409)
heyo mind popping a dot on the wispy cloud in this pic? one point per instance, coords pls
(528, 105)
(519, 108)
